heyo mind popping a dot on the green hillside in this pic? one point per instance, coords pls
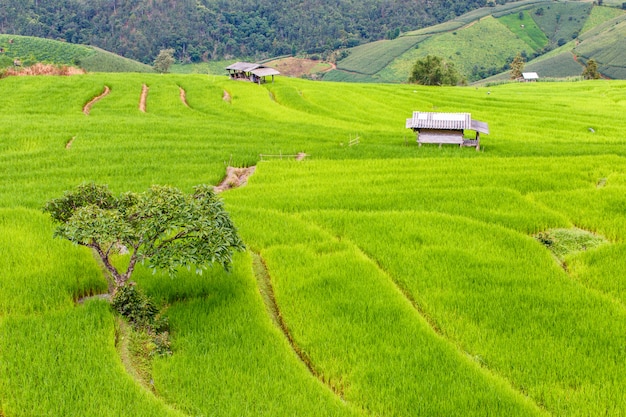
(606, 47)
(30, 50)
(476, 50)
(408, 280)
(533, 28)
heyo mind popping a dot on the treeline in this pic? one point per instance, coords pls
(211, 29)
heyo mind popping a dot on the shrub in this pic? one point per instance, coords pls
(135, 306)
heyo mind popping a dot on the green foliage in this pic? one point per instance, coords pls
(517, 67)
(215, 29)
(135, 306)
(163, 226)
(145, 318)
(591, 70)
(164, 60)
(433, 70)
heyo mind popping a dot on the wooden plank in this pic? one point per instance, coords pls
(441, 137)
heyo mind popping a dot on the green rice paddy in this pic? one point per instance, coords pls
(406, 280)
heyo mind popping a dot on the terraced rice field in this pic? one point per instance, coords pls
(380, 278)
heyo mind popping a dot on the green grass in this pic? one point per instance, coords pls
(525, 29)
(482, 46)
(210, 67)
(373, 57)
(562, 21)
(228, 356)
(408, 277)
(600, 15)
(474, 271)
(606, 48)
(38, 274)
(30, 50)
(561, 65)
(566, 242)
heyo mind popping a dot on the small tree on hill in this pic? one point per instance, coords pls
(434, 70)
(591, 70)
(162, 226)
(517, 66)
(164, 60)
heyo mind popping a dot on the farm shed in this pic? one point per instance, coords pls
(446, 128)
(529, 76)
(256, 73)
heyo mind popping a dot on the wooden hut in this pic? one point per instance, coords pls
(256, 73)
(446, 128)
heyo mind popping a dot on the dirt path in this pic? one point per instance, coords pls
(68, 145)
(87, 107)
(144, 98)
(235, 177)
(183, 96)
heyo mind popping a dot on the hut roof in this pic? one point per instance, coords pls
(256, 69)
(242, 66)
(445, 121)
(264, 71)
(530, 75)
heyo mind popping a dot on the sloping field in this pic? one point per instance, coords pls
(606, 47)
(561, 65)
(373, 57)
(562, 21)
(480, 49)
(381, 278)
(30, 50)
(526, 29)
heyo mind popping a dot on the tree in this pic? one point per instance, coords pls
(163, 226)
(591, 70)
(517, 67)
(164, 60)
(434, 70)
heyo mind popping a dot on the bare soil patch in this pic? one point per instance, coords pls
(144, 98)
(87, 107)
(297, 67)
(226, 97)
(183, 96)
(68, 145)
(43, 69)
(235, 177)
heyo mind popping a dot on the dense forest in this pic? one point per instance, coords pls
(212, 29)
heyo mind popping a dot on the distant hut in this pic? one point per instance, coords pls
(255, 73)
(446, 128)
(528, 77)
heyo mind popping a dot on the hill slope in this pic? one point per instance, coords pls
(483, 42)
(213, 29)
(30, 50)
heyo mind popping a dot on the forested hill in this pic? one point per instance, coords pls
(203, 29)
